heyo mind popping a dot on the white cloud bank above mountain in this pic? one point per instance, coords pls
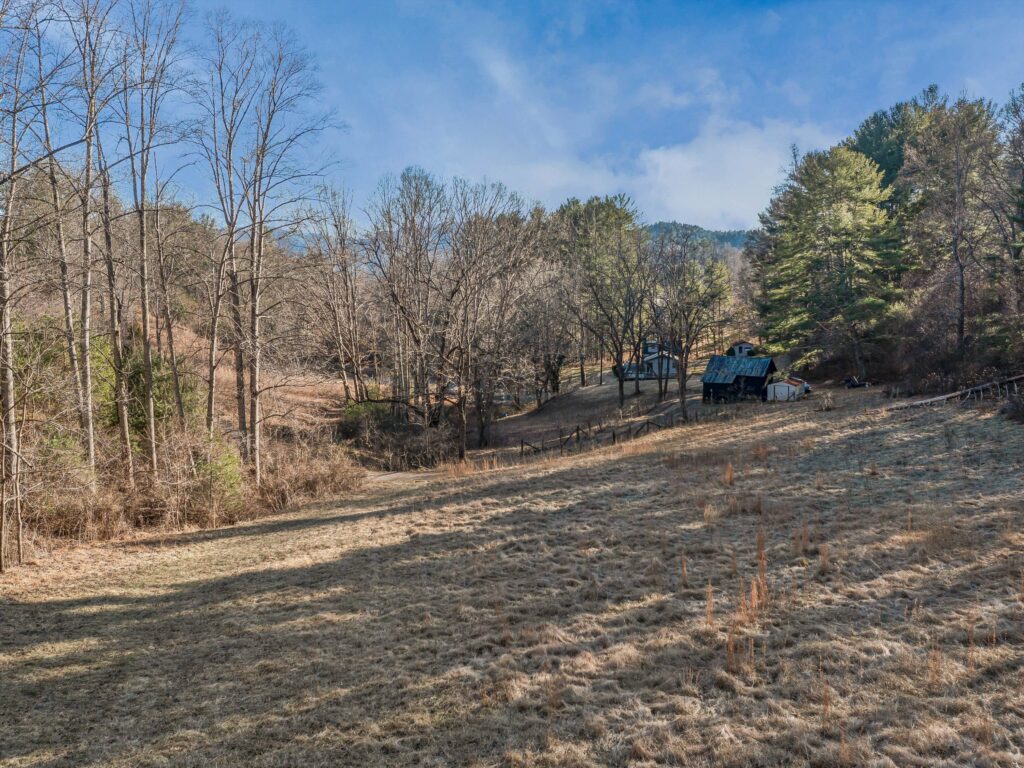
(722, 178)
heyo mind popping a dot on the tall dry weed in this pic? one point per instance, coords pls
(824, 559)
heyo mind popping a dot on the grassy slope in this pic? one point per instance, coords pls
(537, 617)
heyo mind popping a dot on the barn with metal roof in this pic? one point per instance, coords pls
(733, 378)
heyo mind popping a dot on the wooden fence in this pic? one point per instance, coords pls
(993, 390)
(582, 436)
(577, 438)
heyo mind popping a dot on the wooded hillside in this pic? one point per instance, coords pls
(159, 343)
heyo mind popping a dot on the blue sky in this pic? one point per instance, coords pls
(689, 107)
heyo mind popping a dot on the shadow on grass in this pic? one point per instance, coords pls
(449, 644)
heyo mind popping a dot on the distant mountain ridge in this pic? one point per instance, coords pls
(735, 238)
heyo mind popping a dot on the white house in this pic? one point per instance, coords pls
(656, 365)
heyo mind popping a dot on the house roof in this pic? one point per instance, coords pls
(723, 369)
(659, 353)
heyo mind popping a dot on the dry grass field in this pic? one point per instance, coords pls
(794, 588)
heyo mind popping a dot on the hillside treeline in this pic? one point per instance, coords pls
(899, 253)
(195, 327)
(177, 282)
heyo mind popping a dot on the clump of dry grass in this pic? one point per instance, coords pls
(801, 540)
(731, 663)
(458, 469)
(762, 564)
(1013, 409)
(824, 559)
(728, 475)
(935, 664)
(826, 701)
(941, 537)
(949, 436)
(737, 504)
(710, 514)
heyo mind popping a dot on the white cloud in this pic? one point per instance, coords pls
(549, 141)
(724, 176)
(663, 96)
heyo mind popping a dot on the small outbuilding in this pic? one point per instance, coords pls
(729, 378)
(787, 390)
(741, 349)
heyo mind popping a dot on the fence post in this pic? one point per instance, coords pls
(613, 437)
(522, 448)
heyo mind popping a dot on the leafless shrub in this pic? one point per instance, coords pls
(825, 403)
(305, 471)
(407, 447)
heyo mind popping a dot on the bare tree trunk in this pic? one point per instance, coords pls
(3, 525)
(620, 374)
(162, 272)
(85, 321)
(8, 400)
(682, 374)
(62, 255)
(234, 291)
(147, 340)
(116, 341)
(212, 350)
(255, 293)
(961, 303)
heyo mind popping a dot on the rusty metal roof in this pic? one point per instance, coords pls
(723, 369)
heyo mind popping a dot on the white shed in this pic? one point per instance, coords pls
(785, 391)
(741, 349)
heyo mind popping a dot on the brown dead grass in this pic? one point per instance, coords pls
(541, 616)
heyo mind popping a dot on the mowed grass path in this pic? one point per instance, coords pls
(538, 616)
